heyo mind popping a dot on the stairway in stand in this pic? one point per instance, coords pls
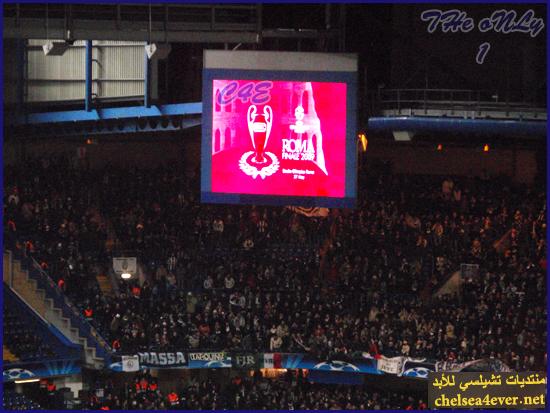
(58, 315)
(105, 285)
(105, 281)
(8, 356)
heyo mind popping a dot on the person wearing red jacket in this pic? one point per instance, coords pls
(153, 386)
(173, 398)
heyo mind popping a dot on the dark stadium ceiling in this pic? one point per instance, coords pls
(173, 23)
(394, 48)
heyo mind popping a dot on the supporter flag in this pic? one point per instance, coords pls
(125, 264)
(503, 243)
(473, 366)
(310, 212)
(130, 363)
(391, 365)
(272, 361)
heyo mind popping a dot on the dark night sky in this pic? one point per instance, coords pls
(393, 43)
(397, 51)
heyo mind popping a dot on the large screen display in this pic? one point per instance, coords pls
(278, 137)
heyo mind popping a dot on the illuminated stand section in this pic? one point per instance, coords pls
(279, 128)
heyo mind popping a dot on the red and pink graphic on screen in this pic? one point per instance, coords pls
(279, 138)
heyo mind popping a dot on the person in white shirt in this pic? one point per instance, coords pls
(275, 343)
(238, 300)
(208, 283)
(217, 225)
(229, 282)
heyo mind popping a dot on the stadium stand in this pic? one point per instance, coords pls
(371, 290)
(7, 355)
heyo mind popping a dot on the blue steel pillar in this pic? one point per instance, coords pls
(88, 92)
(147, 81)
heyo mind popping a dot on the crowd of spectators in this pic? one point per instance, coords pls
(291, 391)
(265, 278)
(17, 401)
(37, 396)
(21, 339)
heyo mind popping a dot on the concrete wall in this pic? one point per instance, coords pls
(73, 382)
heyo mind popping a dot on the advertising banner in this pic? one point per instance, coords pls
(306, 361)
(148, 360)
(399, 366)
(248, 361)
(40, 369)
(209, 360)
(212, 360)
(160, 359)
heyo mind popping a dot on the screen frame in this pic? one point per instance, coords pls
(349, 78)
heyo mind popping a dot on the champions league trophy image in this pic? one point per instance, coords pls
(259, 126)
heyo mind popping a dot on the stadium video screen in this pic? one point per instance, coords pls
(278, 137)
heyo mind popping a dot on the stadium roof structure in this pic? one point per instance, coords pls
(407, 112)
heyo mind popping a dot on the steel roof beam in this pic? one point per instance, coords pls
(194, 108)
(129, 31)
(505, 128)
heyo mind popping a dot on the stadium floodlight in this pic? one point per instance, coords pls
(55, 48)
(126, 275)
(364, 141)
(160, 51)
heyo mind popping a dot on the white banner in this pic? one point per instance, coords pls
(124, 264)
(130, 363)
(472, 365)
(391, 365)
